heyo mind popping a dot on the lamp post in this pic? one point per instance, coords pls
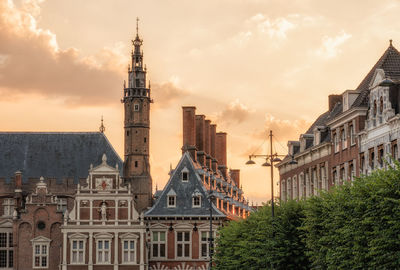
(210, 237)
(269, 162)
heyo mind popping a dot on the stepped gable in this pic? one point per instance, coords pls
(390, 63)
(58, 155)
(184, 192)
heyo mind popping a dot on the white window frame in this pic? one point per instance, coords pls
(62, 204)
(352, 134)
(294, 188)
(129, 250)
(343, 137)
(169, 205)
(102, 237)
(205, 242)
(193, 201)
(183, 243)
(8, 207)
(41, 242)
(185, 171)
(77, 237)
(159, 242)
(9, 249)
(336, 142)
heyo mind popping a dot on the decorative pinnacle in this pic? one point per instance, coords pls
(102, 127)
(390, 42)
(137, 26)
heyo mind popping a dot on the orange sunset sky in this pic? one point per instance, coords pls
(249, 65)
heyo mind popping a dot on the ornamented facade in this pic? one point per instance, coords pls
(362, 128)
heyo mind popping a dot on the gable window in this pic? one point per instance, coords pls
(205, 244)
(103, 251)
(171, 201)
(185, 176)
(62, 204)
(136, 107)
(128, 251)
(8, 207)
(158, 245)
(77, 251)
(183, 245)
(6, 250)
(196, 201)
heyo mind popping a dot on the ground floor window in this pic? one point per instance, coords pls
(78, 251)
(158, 244)
(204, 244)
(6, 250)
(183, 244)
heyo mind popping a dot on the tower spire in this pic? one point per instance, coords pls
(137, 26)
(102, 127)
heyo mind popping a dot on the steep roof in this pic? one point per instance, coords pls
(184, 192)
(57, 155)
(390, 63)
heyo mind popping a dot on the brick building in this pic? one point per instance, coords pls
(179, 221)
(358, 132)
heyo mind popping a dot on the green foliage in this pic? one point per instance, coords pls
(260, 242)
(353, 226)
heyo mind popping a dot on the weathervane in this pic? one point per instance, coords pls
(102, 127)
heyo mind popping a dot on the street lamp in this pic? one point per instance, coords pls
(269, 162)
(210, 237)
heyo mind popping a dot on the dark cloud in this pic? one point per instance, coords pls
(32, 63)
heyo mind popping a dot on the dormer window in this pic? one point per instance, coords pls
(185, 175)
(196, 199)
(171, 201)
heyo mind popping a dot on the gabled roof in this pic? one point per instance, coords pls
(184, 193)
(57, 155)
(390, 63)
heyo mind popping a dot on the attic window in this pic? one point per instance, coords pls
(196, 201)
(185, 175)
(171, 201)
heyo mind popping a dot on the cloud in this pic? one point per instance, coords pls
(330, 45)
(166, 93)
(234, 113)
(32, 62)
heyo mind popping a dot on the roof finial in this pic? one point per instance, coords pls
(137, 26)
(390, 41)
(102, 127)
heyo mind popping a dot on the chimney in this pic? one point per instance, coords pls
(18, 181)
(213, 131)
(235, 175)
(189, 130)
(200, 139)
(207, 145)
(220, 152)
(333, 99)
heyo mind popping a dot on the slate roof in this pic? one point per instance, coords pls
(57, 155)
(184, 193)
(390, 63)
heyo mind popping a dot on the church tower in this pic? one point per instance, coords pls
(137, 102)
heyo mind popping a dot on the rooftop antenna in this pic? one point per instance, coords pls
(102, 127)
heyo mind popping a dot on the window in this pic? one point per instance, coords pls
(351, 169)
(196, 201)
(77, 251)
(171, 201)
(128, 251)
(158, 245)
(205, 244)
(6, 250)
(185, 176)
(136, 163)
(183, 244)
(289, 189)
(344, 139)
(144, 140)
(283, 190)
(394, 151)
(336, 142)
(62, 204)
(41, 255)
(103, 251)
(294, 187)
(136, 107)
(352, 135)
(8, 207)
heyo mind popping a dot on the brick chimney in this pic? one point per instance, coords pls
(213, 131)
(220, 152)
(200, 139)
(235, 175)
(18, 190)
(189, 131)
(333, 99)
(207, 146)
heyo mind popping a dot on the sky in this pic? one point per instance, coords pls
(250, 66)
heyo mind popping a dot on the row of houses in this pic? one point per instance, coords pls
(358, 134)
